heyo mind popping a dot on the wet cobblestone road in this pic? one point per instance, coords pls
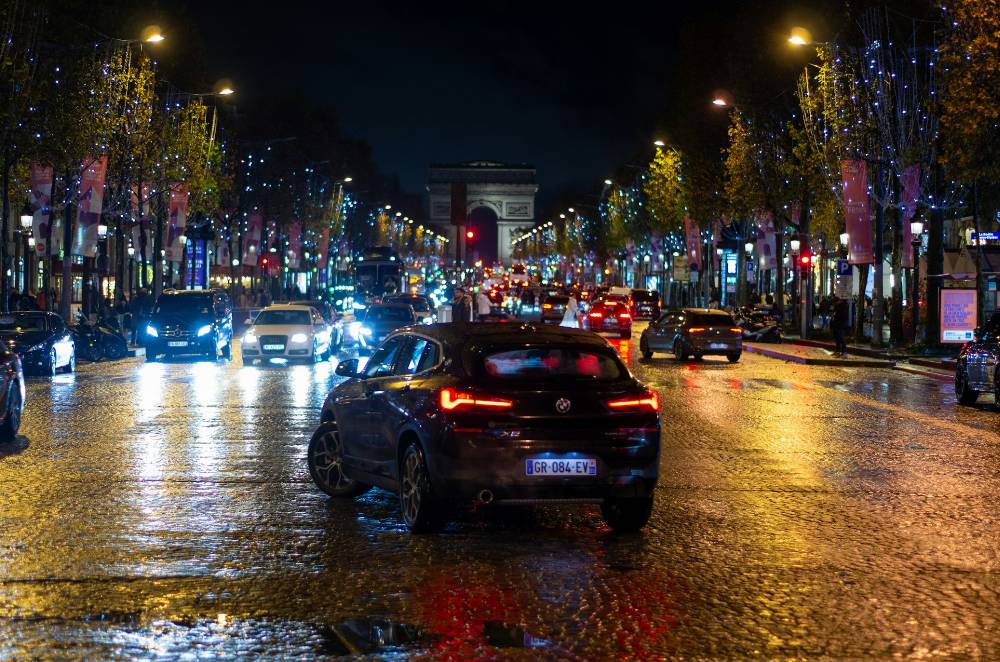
(166, 510)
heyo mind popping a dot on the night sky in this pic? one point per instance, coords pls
(575, 89)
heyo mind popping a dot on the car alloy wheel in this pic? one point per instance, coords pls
(679, 353)
(627, 515)
(644, 348)
(325, 459)
(421, 513)
(965, 395)
(12, 418)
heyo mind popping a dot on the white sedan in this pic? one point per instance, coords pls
(282, 333)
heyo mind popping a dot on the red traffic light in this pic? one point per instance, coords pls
(263, 261)
(805, 260)
(470, 235)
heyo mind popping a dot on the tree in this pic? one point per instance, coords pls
(665, 191)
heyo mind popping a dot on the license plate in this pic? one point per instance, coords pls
(274, 348)
(717, 345)
(561, 467)
(177, 343)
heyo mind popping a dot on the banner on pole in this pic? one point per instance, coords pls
(910, 182)
(765, 242)
(178, 222)
(294, 245)
(693, 240)
(41, 206)
(89, 205)
(854, 175)
(251, 240)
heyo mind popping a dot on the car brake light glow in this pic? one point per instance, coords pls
(695, 329)
(624, 316)
(736, 329)
(596, 315)
(546, 306)
(452, 399)
(649, 399)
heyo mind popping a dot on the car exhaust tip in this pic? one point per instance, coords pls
(485, 496)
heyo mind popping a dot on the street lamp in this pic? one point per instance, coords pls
(607, 182)
(152, 34)
(794, 246)
(102, 231)
(748, 247)
(844, 239)
(800, 37)
(659, 143)
(26, 216)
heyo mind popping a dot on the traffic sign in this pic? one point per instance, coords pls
(843, 268)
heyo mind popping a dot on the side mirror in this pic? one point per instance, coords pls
(248, 322)
(347, 368)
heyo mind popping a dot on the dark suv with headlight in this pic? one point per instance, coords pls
(190, 322)
(978, 367)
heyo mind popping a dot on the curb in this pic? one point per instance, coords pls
(859, 351)
(938, 376)
(136, 351)
(843, 363)
(944, 364)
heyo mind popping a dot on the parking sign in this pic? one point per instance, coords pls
(843, 268)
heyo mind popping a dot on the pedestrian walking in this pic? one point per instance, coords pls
(839, 324)
(571, 316)
(459, 307)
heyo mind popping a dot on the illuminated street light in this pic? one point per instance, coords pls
(607, 182)
(26, 217)
(348, 180)
(659, 143)
(571, 210)
(844, 238)
(152, 34)
(748, 246)
(800, 37)
(794, 245)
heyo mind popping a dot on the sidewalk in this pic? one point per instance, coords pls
(809, 355)
(938, 363)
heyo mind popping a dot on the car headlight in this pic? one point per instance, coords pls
(151, 331)
(365, 331)
(204, 331)
(36, 348)
(300, 337)
(428, 320)
(249, 337)
(354, 328)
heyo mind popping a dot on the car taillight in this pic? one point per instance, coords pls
(736, 329)
(647, 401)
(624, 316)
(546, 306)
(596, 315)
(452, 399)
(695, 329)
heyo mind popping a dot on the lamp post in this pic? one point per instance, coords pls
(916, 229)
(26, 219)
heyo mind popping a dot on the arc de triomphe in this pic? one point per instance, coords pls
(499, 200)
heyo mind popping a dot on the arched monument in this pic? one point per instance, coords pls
(494, 200)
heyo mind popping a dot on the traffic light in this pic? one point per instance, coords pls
(805, 264)
(263, 263)
(470, 234)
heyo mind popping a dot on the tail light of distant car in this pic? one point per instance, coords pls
(624, 316)
(546, 306)
(696, 329)
(647, 401)
(736, 329)
(452, 399)
(596, 315)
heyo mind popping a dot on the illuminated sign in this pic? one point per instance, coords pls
(986, 236)
(958, 315)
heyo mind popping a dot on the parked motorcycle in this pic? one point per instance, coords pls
(759, 327)
(97, 341)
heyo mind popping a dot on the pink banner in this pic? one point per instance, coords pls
(768, 258)
(178, 210)
(795, 214)
(693, 241)
(41, 205)
(910, 182)
(294, 245)
(222, 255)
(89, 205)
(251, 238)
(323, 250)
(859, 223)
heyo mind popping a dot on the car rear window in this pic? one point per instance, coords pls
(703, 319)
(551, 363)
(557, 300)
(184, 303)
(389, 314)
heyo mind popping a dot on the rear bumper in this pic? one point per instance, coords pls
(469, 462)
(713, 347)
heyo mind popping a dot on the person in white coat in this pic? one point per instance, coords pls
(483, 305)
(570, 317)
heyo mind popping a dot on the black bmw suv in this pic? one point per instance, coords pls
(492, 413)
(190, 322)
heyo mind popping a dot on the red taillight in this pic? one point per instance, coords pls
(452, 399)
(596, 315)
(695, 329)
(648, 400)
(624, 316)
(736, 329)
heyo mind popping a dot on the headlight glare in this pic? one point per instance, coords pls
(205, 330)
(300, 337)
(249, 337)
(365, 331)
(151, 331)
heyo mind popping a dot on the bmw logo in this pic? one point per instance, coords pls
(563, 405)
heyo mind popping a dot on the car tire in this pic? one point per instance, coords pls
(227, 350)
(734, 356)
(50, 365)
(420, 510)
(324, 459)
(71, 365)
(965, 394)
(12, 417)
(627, 515)
(679, 353)
(644, 349)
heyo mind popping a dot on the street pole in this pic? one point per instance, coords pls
(878, 307)
(915, 288)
